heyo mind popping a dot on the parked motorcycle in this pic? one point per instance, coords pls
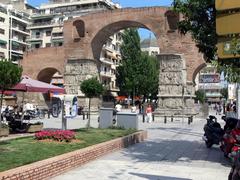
(231, 136)
(213, 132)
(235, 170)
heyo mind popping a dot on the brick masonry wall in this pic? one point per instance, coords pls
(54, 166)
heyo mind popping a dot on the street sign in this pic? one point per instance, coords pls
(226, 4)
(228, 24)
(225, 49)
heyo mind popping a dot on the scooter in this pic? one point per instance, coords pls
(235, 157)
(231, 136)
(213, 133)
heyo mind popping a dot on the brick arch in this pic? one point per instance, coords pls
(38, 59)
(46, 74)
(197, 70)
(110, 29)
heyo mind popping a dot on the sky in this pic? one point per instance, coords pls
(127, 3)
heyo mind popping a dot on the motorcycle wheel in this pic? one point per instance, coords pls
(208, 144)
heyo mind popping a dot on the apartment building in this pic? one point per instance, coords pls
(110, 59)
(150, 46)
(13, 32)
(210, 81)
(47, 22)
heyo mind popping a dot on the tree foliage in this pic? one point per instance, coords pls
(224, 93)
(138, 73)
(200, 21)
(91, 88)
(200, 96)
(10, 74)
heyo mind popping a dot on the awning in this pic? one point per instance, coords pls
(14, 43)
(35, 42)
(57, 40)
(57, 30)
(3, 42)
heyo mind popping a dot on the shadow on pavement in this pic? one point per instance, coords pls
(179, 131)
(175, 151)
(155, 177)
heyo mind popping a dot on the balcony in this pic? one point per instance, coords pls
(106, 60)
(17, 51)
(35, 38)
(44, 24)
(106, 74)
(18, 42)
(21, 30)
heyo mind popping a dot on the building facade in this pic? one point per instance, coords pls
(13, 32)
(209, 80)
(150, 46)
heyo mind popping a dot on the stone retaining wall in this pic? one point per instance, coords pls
(54, 166)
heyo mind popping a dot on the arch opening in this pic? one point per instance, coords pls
(101, 37)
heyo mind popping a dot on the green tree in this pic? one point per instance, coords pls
(10, 75)
(200, 21)
(200, 96)
(138, 73)
(224, 93)
(127, 73)
(91, 88)
(149, 75)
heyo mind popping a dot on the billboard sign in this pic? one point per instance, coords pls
(209, 78)
(226, 4)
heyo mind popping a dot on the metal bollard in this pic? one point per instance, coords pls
(165, 119)
(171, 118)
(48, 112)
(189, 120)
(143, 118)
(83, 116)
(153, 117)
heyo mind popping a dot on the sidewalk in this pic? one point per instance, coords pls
(173, 151)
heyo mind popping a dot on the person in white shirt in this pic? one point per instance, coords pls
(118, 107)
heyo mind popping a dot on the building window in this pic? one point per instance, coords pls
(4, 46)
(37, 46)
(2, 19)
(48, 44)
(2, 55)
(48, 33)
(37, 34)
(2, 31)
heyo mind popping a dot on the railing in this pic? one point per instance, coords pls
(46, 24)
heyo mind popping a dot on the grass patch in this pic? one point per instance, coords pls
(22, 151)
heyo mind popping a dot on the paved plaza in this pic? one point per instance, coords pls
(173, 151)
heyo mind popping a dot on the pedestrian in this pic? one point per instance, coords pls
(118, 107)
(149, 113)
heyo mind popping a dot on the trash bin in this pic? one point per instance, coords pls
(127, 120)
(106, 117)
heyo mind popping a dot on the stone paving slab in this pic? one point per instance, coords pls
(173, 151)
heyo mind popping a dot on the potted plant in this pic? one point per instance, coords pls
(4, 130)
(34, 127)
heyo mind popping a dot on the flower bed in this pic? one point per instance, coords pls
(59, 135)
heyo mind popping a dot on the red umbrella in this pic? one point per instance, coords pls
(28, 84)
